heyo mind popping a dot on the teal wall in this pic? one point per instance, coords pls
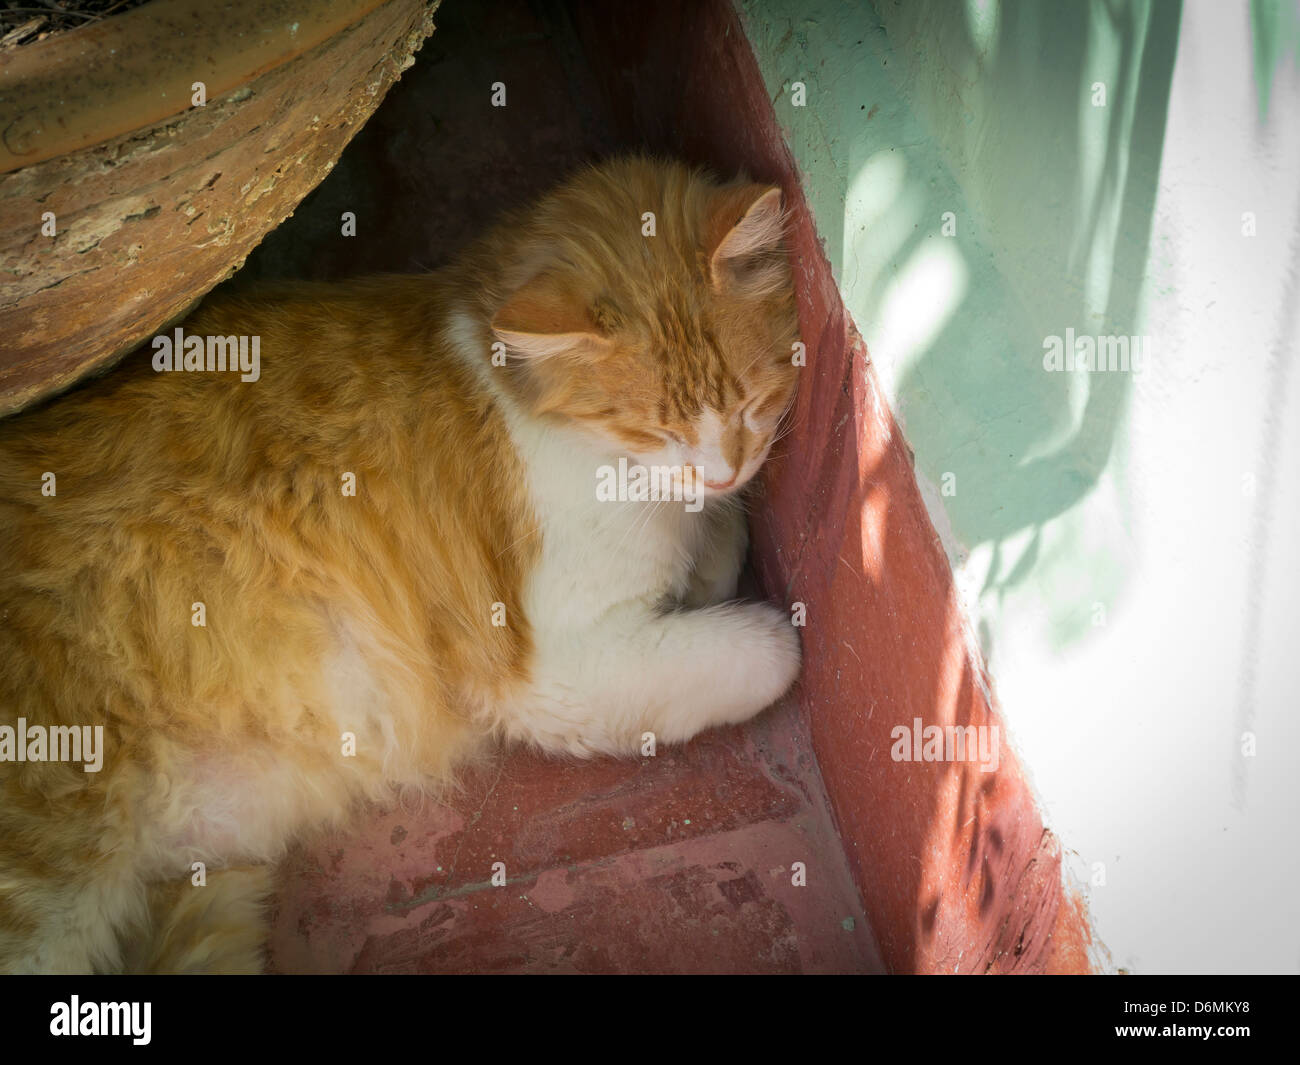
(984, 111)
(985, 175)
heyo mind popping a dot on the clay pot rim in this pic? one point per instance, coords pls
(136, 69)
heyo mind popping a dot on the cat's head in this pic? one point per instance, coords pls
(654, 307)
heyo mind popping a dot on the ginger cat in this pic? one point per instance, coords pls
(283, 591)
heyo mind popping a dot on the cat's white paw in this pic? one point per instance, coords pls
(762, 659)
(774, 654)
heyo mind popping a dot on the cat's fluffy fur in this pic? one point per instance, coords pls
(473, 586)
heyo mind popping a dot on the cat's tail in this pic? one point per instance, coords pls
(220, 927)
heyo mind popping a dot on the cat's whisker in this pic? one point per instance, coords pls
(535, 530)
(640, 523)
(750, 365)
(789, 428)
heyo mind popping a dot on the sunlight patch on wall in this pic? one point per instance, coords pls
(982, 17)
(918, 304)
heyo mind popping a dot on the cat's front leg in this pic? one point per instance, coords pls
(641, 671)
(721, 555)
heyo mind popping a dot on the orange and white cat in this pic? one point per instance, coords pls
(281, 592)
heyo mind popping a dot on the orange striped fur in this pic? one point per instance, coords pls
(375, 615)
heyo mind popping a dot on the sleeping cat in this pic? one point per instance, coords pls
(277, 593)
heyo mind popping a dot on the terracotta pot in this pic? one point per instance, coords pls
(153, 199)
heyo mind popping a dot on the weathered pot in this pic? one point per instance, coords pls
(152, 200)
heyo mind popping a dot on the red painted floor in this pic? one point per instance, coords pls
(681, 863)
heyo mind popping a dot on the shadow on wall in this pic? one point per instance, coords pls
(1084, 162)
(1000, 165)
(438, 162)
(1274, 33)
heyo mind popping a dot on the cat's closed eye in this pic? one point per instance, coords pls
(764, 411)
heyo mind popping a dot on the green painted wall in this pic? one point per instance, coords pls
(943, 110)
(988, 174)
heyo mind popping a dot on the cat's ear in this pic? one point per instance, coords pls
(745, 221)
(548, 317)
